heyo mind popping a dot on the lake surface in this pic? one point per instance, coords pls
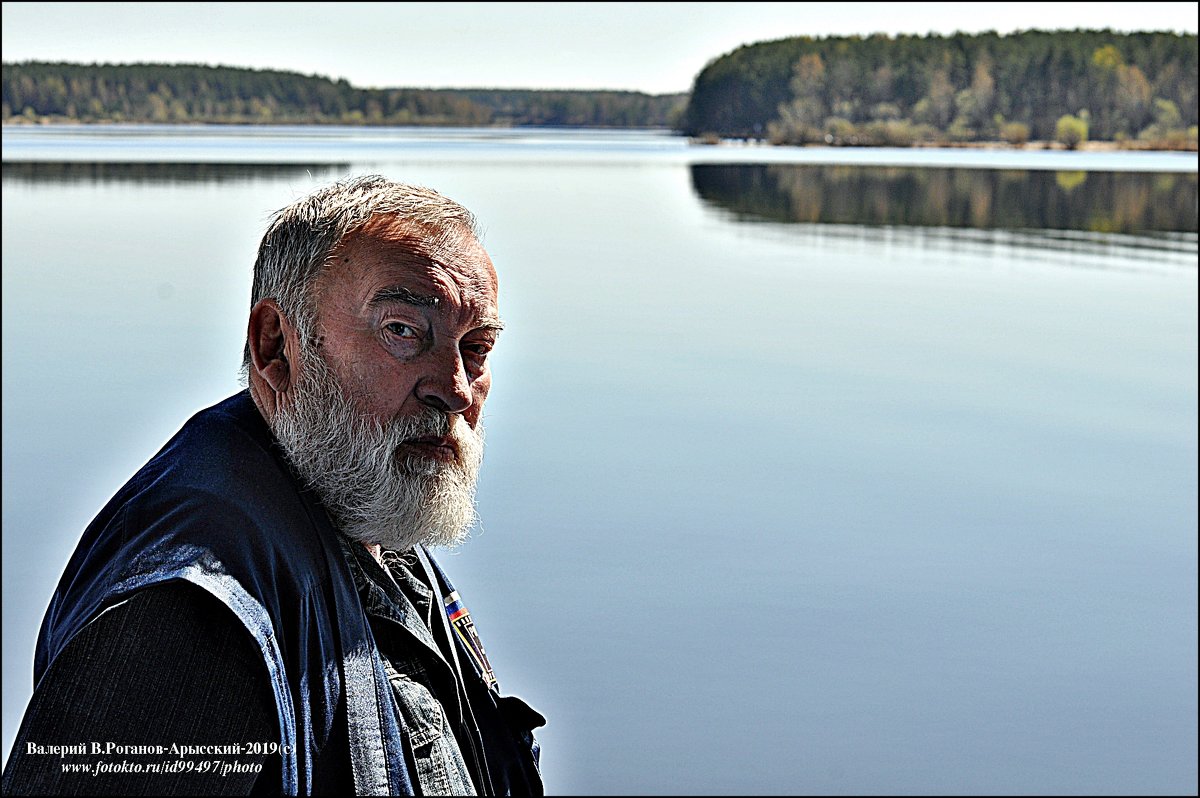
(809, 470)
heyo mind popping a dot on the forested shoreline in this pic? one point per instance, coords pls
(197, 94)
(1132, 89)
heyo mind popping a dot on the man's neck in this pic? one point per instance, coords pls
(376, 551)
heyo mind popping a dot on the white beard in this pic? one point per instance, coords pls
(375, 493)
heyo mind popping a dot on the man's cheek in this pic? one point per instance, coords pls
(480, 390)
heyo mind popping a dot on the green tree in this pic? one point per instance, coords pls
(1133, 97)
(974, 104)
(1015, 133)
(937, 107)
(801, 119)
(1071, 131)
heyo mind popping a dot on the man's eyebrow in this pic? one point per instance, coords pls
(492, 323)
(401, 294)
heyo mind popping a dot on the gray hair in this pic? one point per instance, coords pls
(301, 237)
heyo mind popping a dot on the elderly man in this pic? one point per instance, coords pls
(255, 611)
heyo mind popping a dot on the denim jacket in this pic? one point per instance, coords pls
(219, 507)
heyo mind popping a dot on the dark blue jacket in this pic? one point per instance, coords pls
(220, 508)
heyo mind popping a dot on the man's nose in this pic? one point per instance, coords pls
(446, 387)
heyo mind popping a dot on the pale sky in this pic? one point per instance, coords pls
(651, 47)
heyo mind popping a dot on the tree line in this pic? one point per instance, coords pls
(1139, 89)
(192, 93)
(897, 90)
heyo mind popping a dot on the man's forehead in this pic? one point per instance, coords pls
(396, 263)
(391, 249)
(390, 230)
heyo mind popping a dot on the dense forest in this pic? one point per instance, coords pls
(184, 93)
(1066, 85)
(1137, 89)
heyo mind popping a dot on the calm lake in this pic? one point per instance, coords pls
(809, 471)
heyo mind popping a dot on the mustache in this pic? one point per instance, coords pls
(429, 422)
(430, 427)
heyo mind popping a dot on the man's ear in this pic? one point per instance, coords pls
(268, 333)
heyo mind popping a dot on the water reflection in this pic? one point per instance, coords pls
(67, 172)
(977, 496)
(1135, 203)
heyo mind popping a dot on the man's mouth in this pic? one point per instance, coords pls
(436, 447)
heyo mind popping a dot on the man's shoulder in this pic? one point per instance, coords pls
(221, 461)
(221, 482)
(218, 495)
(217, 506)
(219, 448)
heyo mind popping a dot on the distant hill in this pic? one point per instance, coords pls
(193, 93)
(897, 90)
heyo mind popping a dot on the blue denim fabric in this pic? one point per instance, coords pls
(400, 609)
(407, 605)
(505, 723)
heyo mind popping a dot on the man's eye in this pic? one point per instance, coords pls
(478, 349)
(401, 330)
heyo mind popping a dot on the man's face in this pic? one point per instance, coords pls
(407, 324)
(384, 415)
